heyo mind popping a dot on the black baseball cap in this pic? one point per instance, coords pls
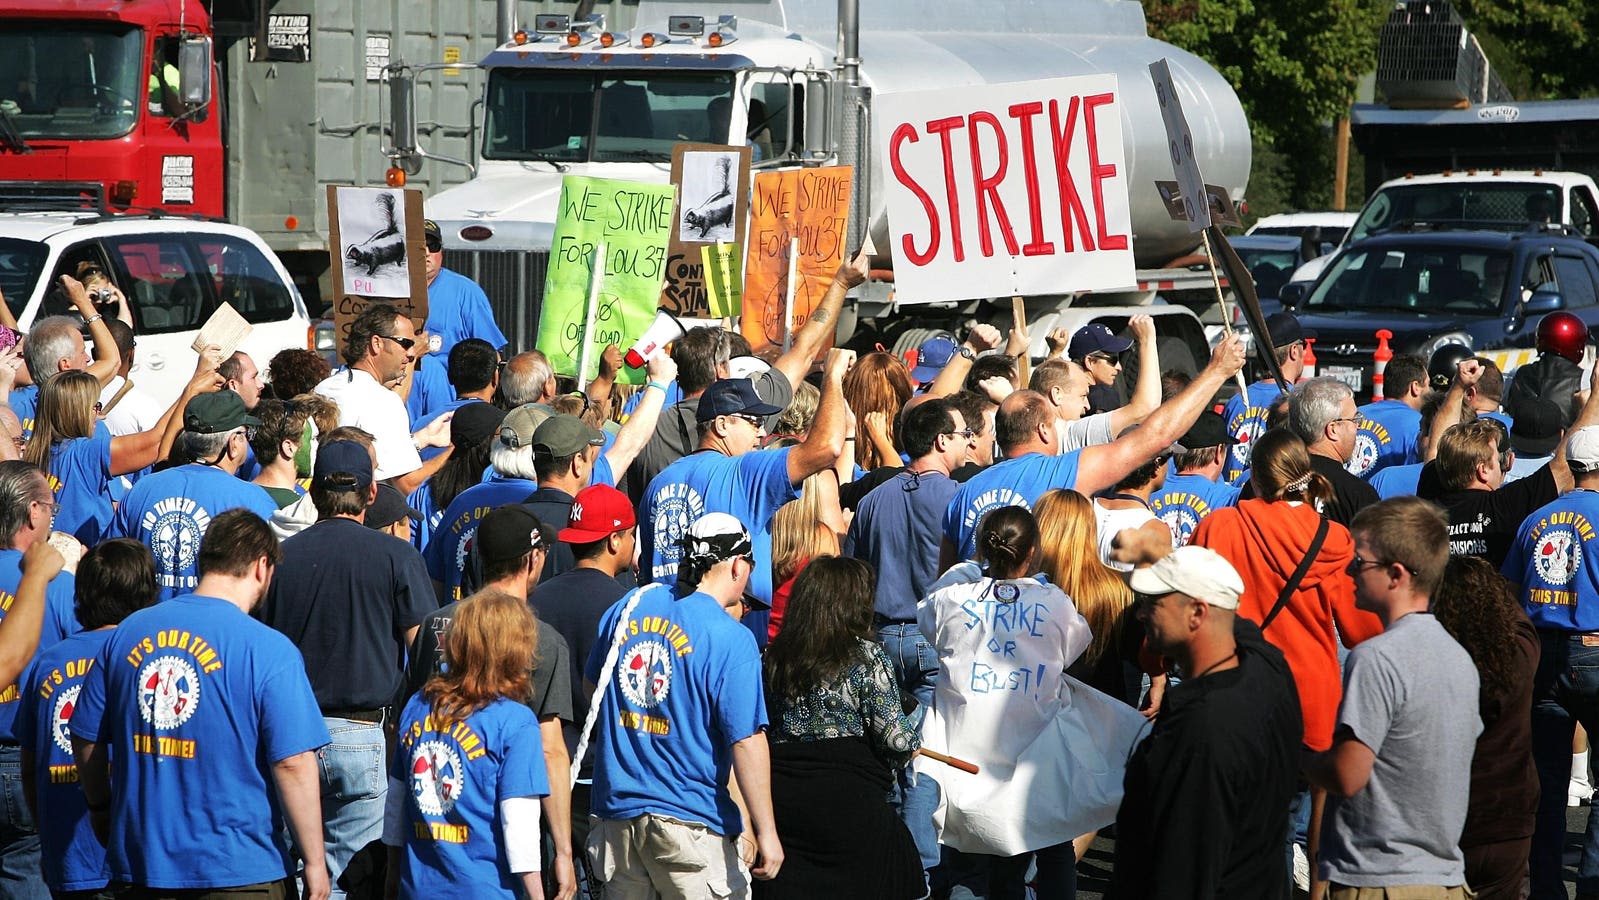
(1536, 426)
(431, 233)
(388, 508)
(474, 423)
(733, 396)
(509, 532)
(1285, 329)
(1209, 430)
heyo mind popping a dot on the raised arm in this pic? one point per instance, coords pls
(823, 323)
(132, 452)
(1448, 415)
(980, 340)
(1146, 393)
(106, 358)
(1103, 465)
(826, 438)
(640, 426)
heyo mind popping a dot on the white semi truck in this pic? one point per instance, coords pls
(574, 94)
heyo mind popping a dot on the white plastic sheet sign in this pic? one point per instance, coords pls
(1180, 144)
(1007, 189)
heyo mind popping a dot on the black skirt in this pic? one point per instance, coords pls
(841, 838)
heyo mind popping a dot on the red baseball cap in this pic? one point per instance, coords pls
(598, 511)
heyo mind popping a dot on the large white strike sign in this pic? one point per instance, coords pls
(995, 190)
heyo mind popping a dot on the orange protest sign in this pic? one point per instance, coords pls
(807, 206)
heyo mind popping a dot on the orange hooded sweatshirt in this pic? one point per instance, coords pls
(1265, 543)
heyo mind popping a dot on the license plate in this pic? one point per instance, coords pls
(1350, 375)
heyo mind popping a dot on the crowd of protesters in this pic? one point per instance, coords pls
(436, 624)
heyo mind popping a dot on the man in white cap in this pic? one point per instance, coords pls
(1202, 814)
(681, 706)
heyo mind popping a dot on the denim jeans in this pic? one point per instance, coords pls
(1564, 691)
(916, 667)
(20, 877)
(979, 876)
(354, 785)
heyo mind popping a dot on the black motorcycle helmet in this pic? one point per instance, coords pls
(1445, 360)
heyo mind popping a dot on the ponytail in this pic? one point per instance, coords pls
(1006, 541)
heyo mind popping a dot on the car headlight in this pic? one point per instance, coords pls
(1444, 340)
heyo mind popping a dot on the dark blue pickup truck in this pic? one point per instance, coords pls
(1485, 290)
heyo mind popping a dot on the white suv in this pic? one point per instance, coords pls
(174, 272)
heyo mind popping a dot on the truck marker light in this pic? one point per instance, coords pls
(290, 223)
(394, 177)
(715, 40)
(123, 192)
(648, 40)
(607, 39)
(572, 39)
(519, 38)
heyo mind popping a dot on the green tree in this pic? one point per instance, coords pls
(1540, 48)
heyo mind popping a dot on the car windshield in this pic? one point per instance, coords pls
(20, 264)
(82, 81)
(1510, 205)
(537, 114)
(1424, 279)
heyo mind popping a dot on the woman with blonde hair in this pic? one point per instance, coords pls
(462, 816)
(81, 457)
(803, 530)
(1068, 534)
(880, 383)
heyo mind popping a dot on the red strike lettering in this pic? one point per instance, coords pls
(942, 128)
(988, 188)
(902, 134)
(1024, 112)
(1070, 203)
(1097, 174)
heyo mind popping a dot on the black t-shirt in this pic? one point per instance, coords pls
(1484, 523)
(573, 604)
(1350, 493)
(1222, 762)
(551, 686)
(1104, 398)
(345, 595)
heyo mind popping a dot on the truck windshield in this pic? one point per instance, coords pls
(1508, 205)
(603, 117)
(1414, 279)
(71, 82)
(20, 264)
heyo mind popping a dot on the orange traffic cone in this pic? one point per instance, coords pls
(1380, 361)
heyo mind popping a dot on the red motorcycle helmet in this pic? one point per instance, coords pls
(1564, 334)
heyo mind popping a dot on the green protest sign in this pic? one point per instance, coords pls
(724, 279)
(630, 223)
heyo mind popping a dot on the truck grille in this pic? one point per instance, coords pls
(16, 196)
(514, 282)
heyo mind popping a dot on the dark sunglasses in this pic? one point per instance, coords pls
(405, 343)
(435, 246)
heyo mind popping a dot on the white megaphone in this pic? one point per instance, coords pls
(664, 330)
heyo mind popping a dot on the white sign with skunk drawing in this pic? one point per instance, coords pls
(378, 251)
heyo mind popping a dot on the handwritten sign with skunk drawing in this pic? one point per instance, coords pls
(713, 183)
(378, 252)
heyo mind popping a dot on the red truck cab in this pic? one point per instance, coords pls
(90, 112)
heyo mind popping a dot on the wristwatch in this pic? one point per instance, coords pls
(967, 353)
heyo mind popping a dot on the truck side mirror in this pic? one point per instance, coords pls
(1543, 302)
(820, 95)
(1291, 294)
(194, 72)
(402, 121)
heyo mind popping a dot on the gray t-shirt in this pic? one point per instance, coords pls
(1410, 694)
(1085, 432)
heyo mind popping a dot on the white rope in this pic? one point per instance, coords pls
(617, 639)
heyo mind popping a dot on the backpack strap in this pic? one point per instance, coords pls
(1292, 584)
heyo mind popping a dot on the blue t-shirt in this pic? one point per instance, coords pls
(60, 622)
(674, 395)
(80, 469)
(749, 487)
(197, 701)
(169, 512)
(251, 466)
(430, 390)
(1496, 414)
(1013, 482)
(686, 688)
(897, 529)
(446, 547)
(1186, 500)
(25, 402)
(458, 309)
(1245, 416)
(1555, 559)
(1386, 437)
(70, 854)
(457, 774)
(1397, 481)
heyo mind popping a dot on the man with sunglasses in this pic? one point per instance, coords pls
(1322, 412)
(1407, 725)
(381, 344)
(1099, 352)
(169, 511)
(681, 706)
(457, 307)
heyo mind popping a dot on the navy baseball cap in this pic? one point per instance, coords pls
(1285, 329)
(1095, 338)
(932, 356)
(733, 396)
(342, 458)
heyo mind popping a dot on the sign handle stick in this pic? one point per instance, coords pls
(590, 311)
(788, 295)
(1226, 311)
(1018, 317)
(952, 761)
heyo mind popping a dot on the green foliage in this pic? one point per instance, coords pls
(1540, 48)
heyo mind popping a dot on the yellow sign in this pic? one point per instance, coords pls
(452, 55)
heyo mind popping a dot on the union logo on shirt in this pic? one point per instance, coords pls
(645, 675)
(61, 715)
(175, 526)
(677, 507)
(437, 779)
(169, 692)
(1557, 555)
